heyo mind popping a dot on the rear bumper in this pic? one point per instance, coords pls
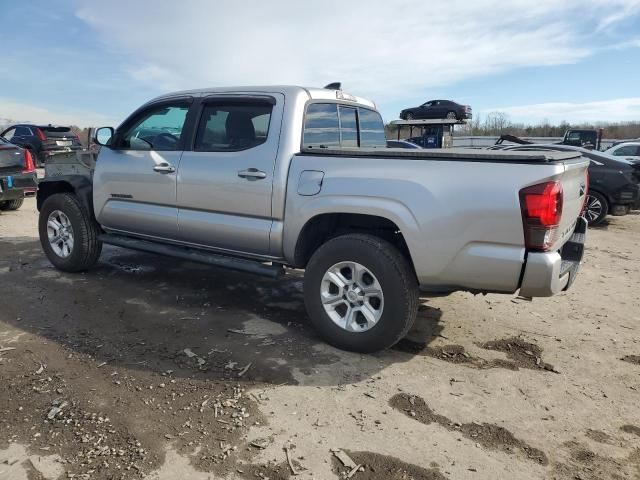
(549, 273)
(19, 186)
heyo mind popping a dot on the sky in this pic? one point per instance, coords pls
(91, 63)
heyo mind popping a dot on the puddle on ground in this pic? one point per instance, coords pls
(488, 435)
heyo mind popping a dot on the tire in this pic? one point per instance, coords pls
(409, 116)
(452, 116)
(12, 204)
(397, 304)
(596, 209)
(85, 249)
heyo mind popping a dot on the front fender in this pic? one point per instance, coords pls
(79, 185)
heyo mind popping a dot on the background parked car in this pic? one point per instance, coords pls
(401, 144)
(17, 175)
(437, 109)
(613, 182)
(42, 140)
(628, 150)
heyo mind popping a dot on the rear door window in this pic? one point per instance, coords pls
(321, 126)
(225, 126)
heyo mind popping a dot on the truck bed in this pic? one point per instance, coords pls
(447, 154)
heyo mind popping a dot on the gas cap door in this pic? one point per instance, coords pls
(310, 182)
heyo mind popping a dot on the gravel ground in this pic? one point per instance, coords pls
(148, 367)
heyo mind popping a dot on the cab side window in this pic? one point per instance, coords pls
(228, 127)
(159, 128)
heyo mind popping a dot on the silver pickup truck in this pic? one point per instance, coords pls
(258, 179)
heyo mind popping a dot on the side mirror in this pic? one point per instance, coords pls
(103, 136)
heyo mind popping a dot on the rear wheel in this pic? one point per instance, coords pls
(596, 208)
(361, 293)
(12, 204)
(452, 116)
(68, 234)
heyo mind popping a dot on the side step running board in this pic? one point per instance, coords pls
(186, 253)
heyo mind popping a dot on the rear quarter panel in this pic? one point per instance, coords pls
(461, 220)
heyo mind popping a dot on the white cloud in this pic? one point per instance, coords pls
(615, 110)
(16, 112)
(387, 50)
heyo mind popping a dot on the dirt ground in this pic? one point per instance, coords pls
(153, 368)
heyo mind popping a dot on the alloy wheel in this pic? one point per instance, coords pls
(352, 296)
(594, 208)
(60, 233)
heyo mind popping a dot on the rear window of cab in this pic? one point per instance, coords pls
(336, 125)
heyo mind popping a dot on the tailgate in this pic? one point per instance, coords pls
(574, 189)
(11, 159)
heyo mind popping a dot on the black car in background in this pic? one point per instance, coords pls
(402, 144)
(42, 140)
(437, 109)
(614, 183)
(17, 175)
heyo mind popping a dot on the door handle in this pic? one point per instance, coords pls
(164, 168)
(252, 174)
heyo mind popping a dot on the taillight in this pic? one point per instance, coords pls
(541, 207)
(41, 135)
(586, 192)
(29, 166)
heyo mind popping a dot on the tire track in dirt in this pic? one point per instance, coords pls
(384, 467)
(520, 354)
(487, 435)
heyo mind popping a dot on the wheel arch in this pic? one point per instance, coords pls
(79, 185)
(607, 197)
(323, 226)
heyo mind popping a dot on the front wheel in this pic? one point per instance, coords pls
(409, 116)
(68, 234)
(361, 293)
(596, 208)
(12, 204)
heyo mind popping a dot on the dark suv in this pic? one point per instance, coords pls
(436, 109)
(614, 183)
(42, 140)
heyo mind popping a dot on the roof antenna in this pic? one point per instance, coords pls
(334, 86)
